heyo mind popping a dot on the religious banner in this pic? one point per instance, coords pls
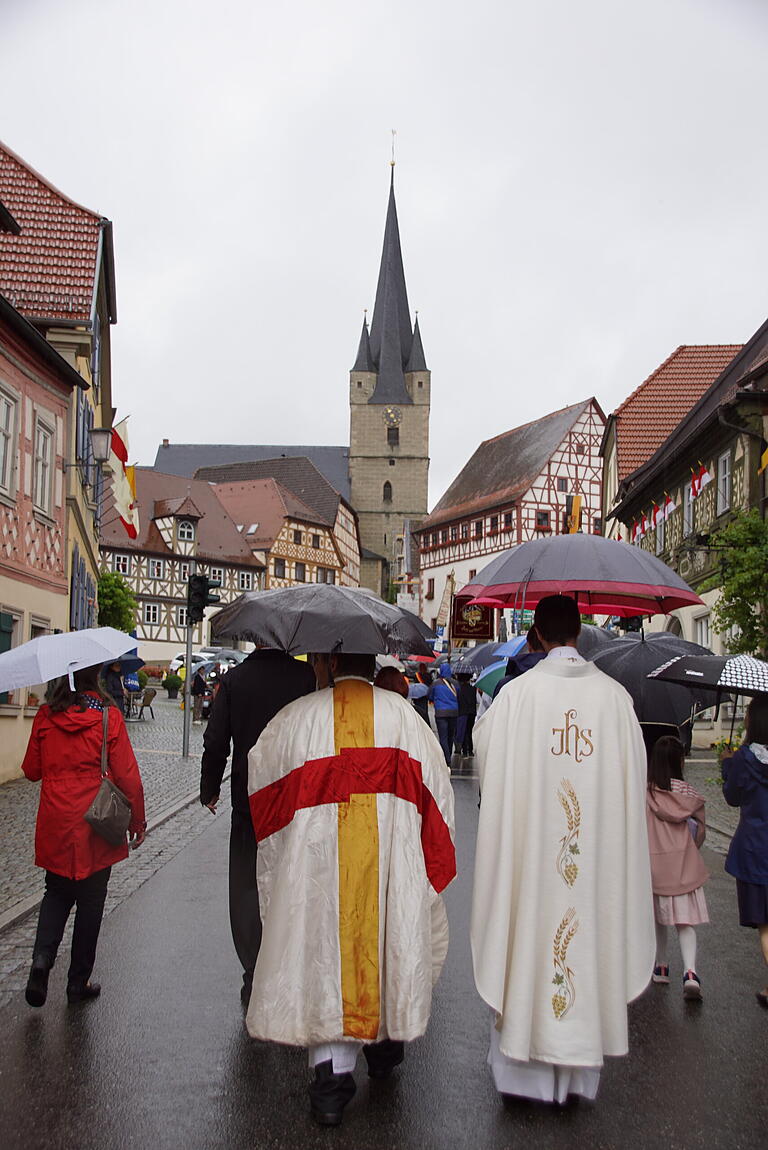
(444, 610)
(471, 621)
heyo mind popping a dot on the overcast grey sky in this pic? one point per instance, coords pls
(581, 188)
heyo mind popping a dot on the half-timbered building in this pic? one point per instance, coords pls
(301, 477)
(706, 470)
(57, 269)
(639, 426)
(36, 385)
(518, 486)
(183, 529)
(295, 544)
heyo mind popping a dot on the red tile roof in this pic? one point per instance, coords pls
(263, 504)
(49, 270)
(654, 409)
(217, 537)
(503, 468)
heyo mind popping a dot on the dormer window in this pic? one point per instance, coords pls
(186, 531)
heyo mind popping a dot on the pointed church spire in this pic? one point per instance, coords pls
(416, 361)
(364, 360)
(391, 335)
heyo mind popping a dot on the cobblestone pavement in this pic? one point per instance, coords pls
(168, 778)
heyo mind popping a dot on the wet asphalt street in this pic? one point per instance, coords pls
(162, 1060)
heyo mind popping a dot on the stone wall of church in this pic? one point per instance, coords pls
(375, 461)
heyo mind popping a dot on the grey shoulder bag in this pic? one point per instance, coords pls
(110, 812)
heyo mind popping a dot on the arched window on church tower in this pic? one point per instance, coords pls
(387, 496)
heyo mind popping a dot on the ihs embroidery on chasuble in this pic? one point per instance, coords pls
(571, 739)
(575, 742)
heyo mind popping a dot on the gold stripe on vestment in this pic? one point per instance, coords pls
(358, 871)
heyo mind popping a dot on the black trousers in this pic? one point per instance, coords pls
(61, 894)
(244, 915)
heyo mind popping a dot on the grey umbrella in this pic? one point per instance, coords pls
(321, 617)
(606, 577)
(629, 660)
(593, 639)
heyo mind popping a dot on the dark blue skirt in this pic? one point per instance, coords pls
(753, 903)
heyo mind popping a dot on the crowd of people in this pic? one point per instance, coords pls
(342, 843)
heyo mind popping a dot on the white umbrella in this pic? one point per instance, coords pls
(50, 656)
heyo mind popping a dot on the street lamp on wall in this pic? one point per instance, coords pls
(101, 443)
(100, 439)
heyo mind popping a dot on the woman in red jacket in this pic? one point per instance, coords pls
(64, 752)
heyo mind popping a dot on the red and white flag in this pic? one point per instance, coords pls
(656, 516)
(694, 483)
(124, 480)
(669, 506)
(704, 477)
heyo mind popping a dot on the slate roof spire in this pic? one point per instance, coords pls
(364, 359)
(416, 360)
(391, 337)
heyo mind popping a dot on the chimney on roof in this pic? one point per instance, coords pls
(166, 443)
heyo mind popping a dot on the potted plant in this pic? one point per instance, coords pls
(172, 683)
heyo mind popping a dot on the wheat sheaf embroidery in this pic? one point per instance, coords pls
(565, 994)
(566, 864)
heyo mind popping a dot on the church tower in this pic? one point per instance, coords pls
(389, 397)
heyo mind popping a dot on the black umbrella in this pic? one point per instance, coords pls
(321, 617)
(737, 674)
(477, 659)
(593, 639)
(629, 659)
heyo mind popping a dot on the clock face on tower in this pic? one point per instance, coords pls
(392, 416)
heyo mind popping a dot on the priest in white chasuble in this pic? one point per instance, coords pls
(562, 914)
(352, 806)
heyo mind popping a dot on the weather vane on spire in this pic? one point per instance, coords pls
(394, 133)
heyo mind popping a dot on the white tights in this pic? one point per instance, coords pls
(686, 936)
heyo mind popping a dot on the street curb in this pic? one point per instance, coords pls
(21, 910)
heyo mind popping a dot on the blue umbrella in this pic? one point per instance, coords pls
(511, 648)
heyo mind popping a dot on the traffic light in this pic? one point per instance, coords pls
(199, 596)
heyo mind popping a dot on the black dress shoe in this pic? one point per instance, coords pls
(37, 984)
(382, 1057)
(83, 993)
(329, 1093)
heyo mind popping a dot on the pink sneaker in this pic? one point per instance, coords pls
(661, 974)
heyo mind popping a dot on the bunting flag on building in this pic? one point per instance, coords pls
(705, 476)
(643, 525)
(694, 483)
(763, 457)
(656, 516)
(573, 514)
(124, 480)
(669, 505)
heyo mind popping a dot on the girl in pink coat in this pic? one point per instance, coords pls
(676, 829)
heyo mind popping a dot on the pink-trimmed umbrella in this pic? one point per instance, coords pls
(606, 576)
